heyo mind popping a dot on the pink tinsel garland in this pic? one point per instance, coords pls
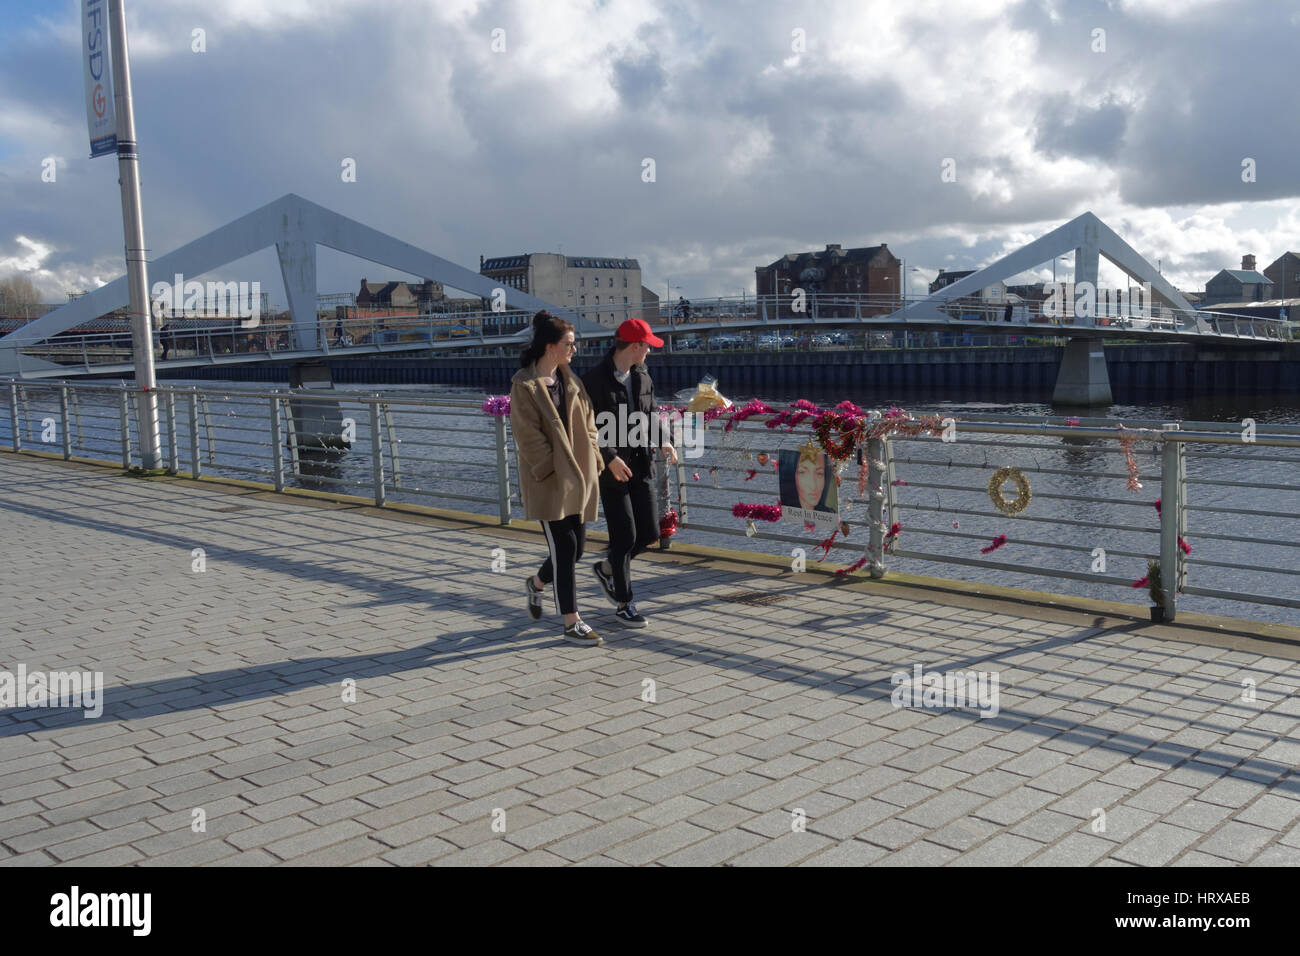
(498, 405)
(998, 542)
(752, 407)
(757, 512)
(851, 568)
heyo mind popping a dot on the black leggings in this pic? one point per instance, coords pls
(629, 508)
(565, 539)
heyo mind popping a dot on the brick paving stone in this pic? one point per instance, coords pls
(963, 834)
(1156, 845)
(892, 834)
(1274, 811)
(598, 839)
(1005, 849)
(716, 849)
(1198, 816)
(555, 828)
(1076, 849)
(659, 843)
(1236, 841)
(847, 853)
(723, 816)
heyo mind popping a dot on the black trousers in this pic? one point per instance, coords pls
(629, 508)
(565, 538)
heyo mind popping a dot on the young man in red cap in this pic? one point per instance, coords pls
(619, 388)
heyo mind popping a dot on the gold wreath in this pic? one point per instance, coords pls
(1001, 477)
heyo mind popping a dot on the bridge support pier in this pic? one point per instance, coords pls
(318, 423)
(1082, 379)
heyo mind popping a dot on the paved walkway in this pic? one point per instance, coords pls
(477, 737)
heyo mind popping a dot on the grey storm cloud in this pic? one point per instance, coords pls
(1065, 129)
(638, 79)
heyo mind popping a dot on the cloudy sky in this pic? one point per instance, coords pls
(775, 126)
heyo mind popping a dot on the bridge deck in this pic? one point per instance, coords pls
(772, 693)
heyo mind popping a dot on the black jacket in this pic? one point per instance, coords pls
(607, 394)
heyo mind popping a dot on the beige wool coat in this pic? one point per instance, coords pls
(558, 468)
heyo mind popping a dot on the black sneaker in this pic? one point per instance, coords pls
(606, 583)
(579, 632)
(628, 617)
(534, 599)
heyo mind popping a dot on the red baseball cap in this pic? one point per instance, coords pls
(638, 330)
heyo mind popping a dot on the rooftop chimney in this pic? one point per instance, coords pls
(1248, 263)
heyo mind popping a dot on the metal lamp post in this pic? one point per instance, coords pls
(137, 275)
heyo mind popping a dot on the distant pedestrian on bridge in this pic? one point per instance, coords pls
(620, 388)
(559, 464)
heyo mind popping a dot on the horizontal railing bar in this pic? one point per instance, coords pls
(305, 479)
(1025, 517)
(1013, 568)
(1211, 509)
(1242, 484)
(900, 460)
(1209, 455)
(445, 461)
(791, 539)
(1027, 542)
(1204, 562)
(1244, 539)
(240, 468)
(407, 489)
(1241, 596)
(1141, 434)
(1056, 496)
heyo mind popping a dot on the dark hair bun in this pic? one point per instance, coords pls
(541, 319)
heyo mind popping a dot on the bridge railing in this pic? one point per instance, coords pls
(217, 340)
(1215, 503)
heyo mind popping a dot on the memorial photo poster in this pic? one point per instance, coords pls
(809, 490)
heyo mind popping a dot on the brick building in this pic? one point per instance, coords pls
(869, 270)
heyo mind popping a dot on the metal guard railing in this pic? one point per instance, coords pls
(401, 447)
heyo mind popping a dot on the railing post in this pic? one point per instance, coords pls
(376, 453)
(13, 417)
(126, 428)
(196, 463)
(295, 459)
(503, 469)
(63, 421)
(392, 444)
(173, 450)
(75, 405)
(207, 429)
(277, 459)
(1173, 488)
(880, 500)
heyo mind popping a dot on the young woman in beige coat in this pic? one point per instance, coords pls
(559, 464)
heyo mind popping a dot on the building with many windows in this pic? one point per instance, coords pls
(870, 270)
(601, 290)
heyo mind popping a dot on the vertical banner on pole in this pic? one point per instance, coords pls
(97, 66)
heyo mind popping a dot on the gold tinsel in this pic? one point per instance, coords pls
(1001, 477)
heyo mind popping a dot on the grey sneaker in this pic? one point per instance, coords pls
(534, 599)
(628, 616)
(580, 633)
(606, 582)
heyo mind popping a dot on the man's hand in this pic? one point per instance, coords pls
(670, 453)
(619, 469)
